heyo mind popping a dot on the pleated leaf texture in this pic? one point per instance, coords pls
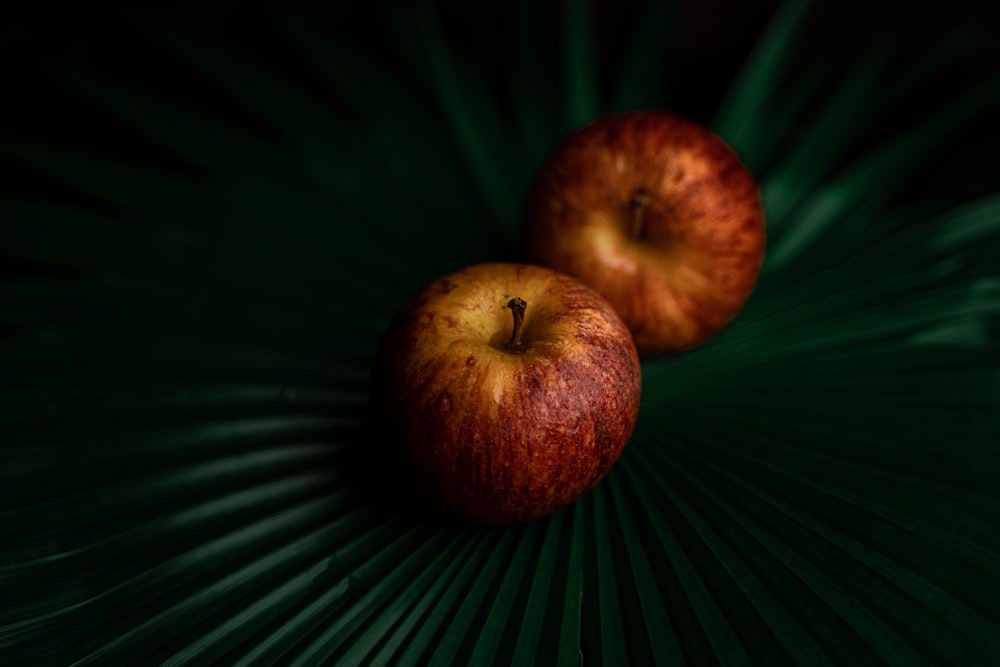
(188, 474)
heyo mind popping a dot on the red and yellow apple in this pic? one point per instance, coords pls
(659, 216)
(512, 389)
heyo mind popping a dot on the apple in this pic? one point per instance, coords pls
(658, 215)
(511, 388)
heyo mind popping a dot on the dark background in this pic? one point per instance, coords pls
(711, 39)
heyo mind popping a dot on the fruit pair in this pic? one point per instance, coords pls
(514, 388)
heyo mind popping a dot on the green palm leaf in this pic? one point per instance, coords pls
(188, 474)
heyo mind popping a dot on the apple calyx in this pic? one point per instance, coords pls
(517, 307)
(637, 206)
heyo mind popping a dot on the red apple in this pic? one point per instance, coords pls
(511, 388)
(656, 214)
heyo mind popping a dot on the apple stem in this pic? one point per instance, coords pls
(517, 306)
(638, 205)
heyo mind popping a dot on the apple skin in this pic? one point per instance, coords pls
(495, 435)
(659, 216)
